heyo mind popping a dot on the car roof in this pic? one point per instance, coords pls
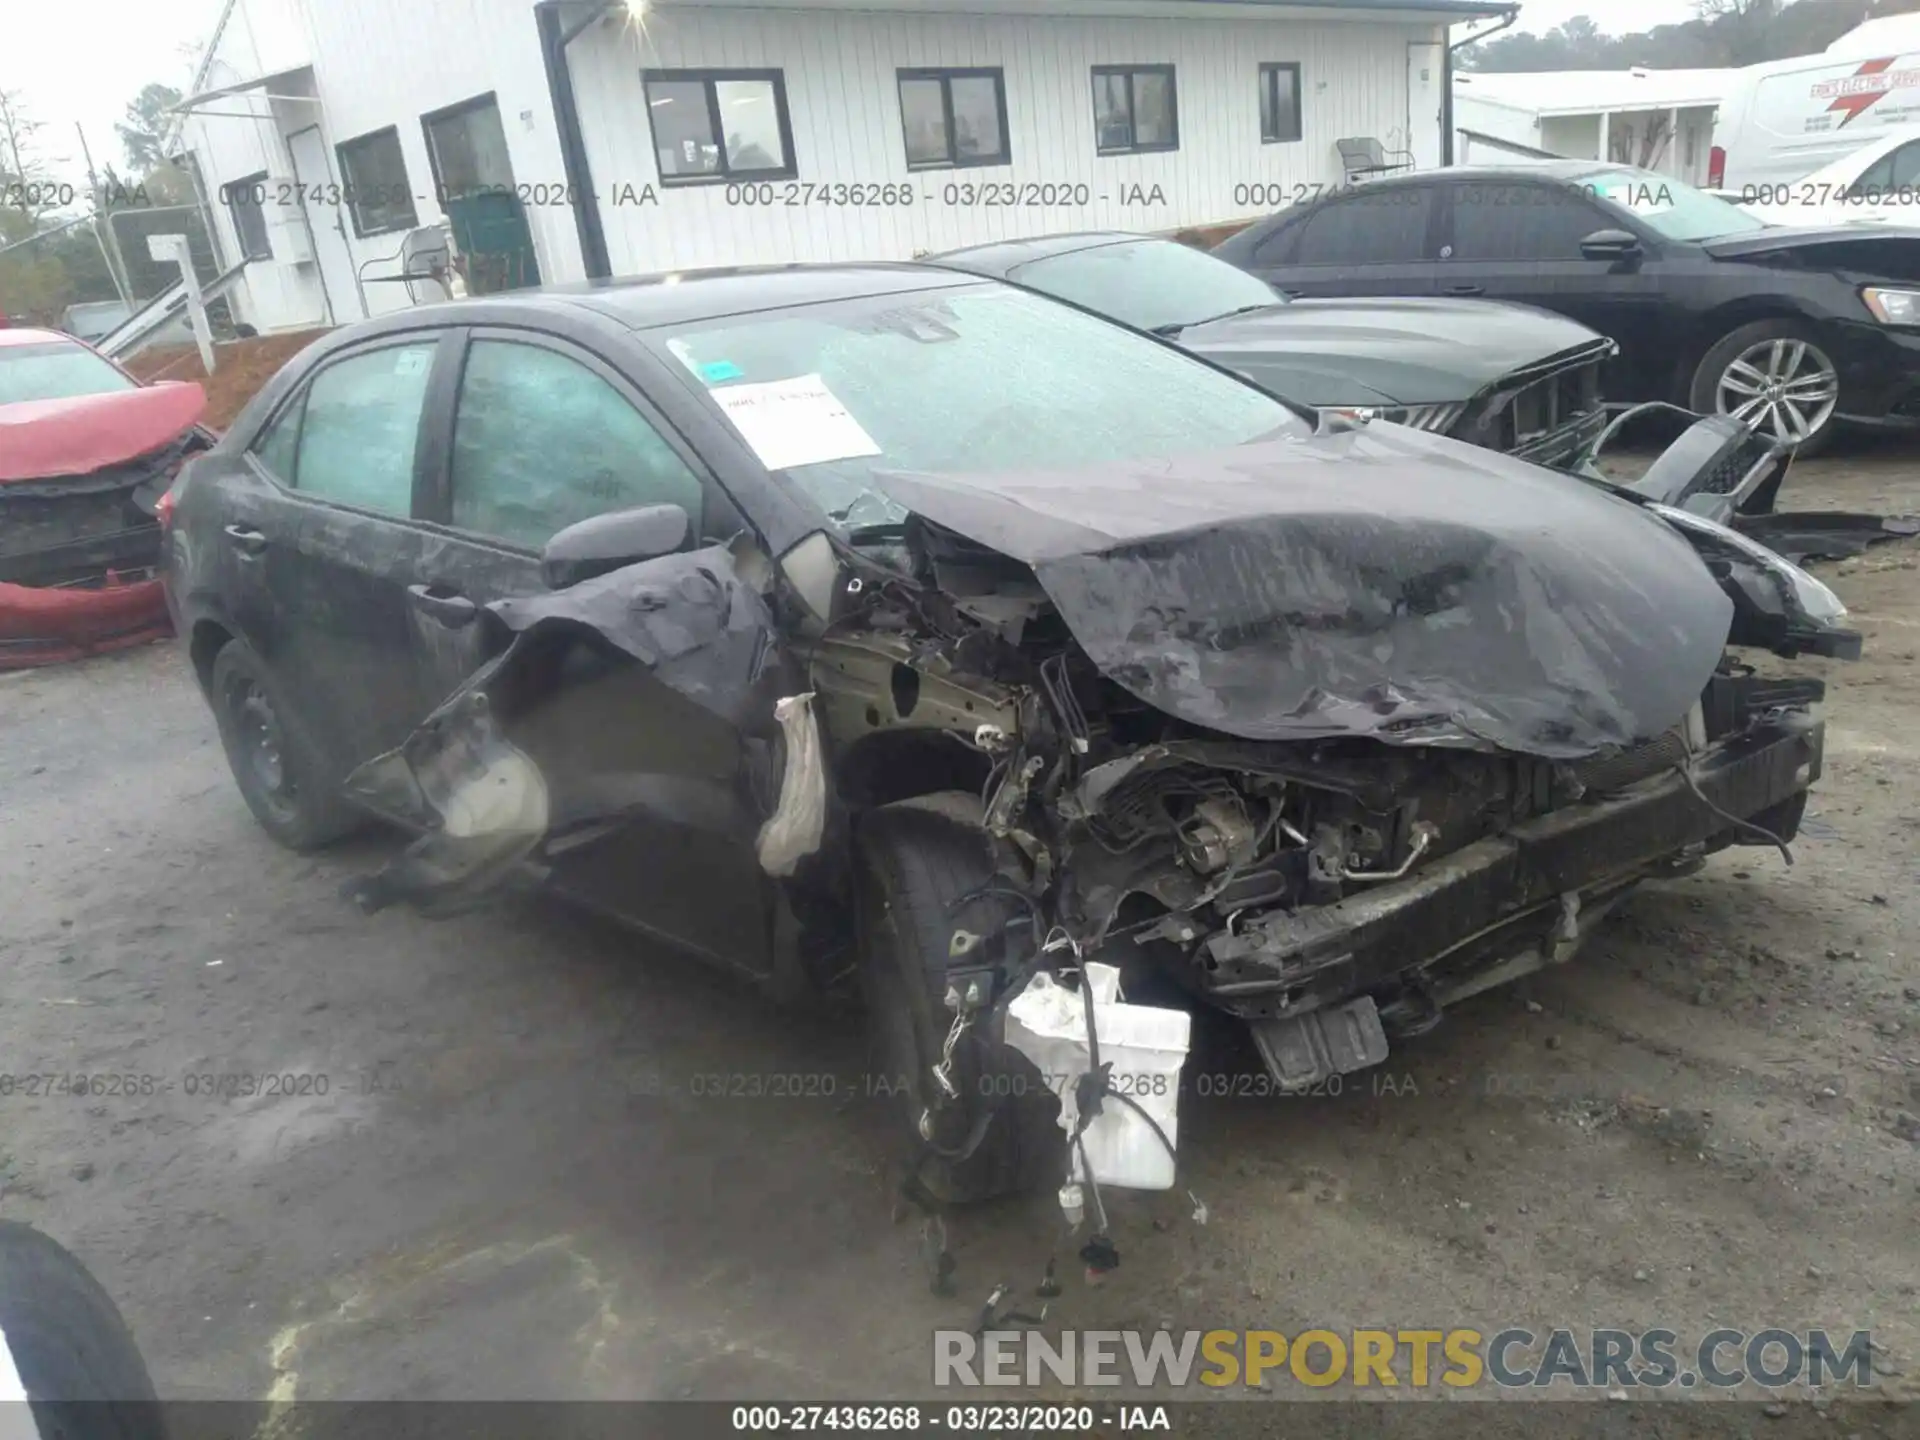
(1000, 256)
(1550, 169)
(35, 337)
(682, 296)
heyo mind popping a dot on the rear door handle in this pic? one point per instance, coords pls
(451, 609)
(1466, 289)
(1294, 294)
(247, 542)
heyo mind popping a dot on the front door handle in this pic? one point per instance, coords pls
(247, 542)
(1466, 289)
(450, 608)
(1293, 294)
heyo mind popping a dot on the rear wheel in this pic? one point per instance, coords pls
(280, 772)
(1777, 377)
(1002, 1135)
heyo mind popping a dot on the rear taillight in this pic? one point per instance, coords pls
(163, 510)
(1716, 168)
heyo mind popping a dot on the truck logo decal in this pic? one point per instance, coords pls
(1856, 93)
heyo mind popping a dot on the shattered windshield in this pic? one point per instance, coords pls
(964, 381)
(55, 371)
(1149, 284)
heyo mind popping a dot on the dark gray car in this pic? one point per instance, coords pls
(1508, 377)
(889, 622)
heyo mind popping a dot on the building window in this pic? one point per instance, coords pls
(373, 172)
(246, 201)
(1279, 103)
(719, 125)
(467, 148)
(954, 117)
(1134, 109)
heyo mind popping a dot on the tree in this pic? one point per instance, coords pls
(28, 187)
(143, 133)
(1743, 27)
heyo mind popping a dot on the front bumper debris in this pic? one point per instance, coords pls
(1499, 895)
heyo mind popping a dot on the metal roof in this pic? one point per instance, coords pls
(1590, 92)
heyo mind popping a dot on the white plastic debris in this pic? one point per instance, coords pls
(1144, 1047)
(794, 830)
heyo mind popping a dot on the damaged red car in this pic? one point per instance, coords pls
(86, 454)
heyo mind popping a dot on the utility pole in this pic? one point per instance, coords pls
(120, 286)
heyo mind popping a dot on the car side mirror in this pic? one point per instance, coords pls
(607, 542)
(1610, 245)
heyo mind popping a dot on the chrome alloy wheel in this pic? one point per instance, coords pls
(1786, 388)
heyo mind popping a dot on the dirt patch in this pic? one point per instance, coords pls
(240, 368)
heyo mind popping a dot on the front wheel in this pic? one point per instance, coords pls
(1777, 378)
(64, 1343)
(279, 770)
(919, 860)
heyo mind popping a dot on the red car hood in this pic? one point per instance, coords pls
(45, 439)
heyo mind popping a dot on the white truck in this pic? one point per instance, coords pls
(1785, 119)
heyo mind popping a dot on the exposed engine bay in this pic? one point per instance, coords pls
(1330, 746)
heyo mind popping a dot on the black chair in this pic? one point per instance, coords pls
(1362, 156)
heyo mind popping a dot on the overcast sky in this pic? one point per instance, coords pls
(73, 63)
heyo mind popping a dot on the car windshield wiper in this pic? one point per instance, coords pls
(1167, 332)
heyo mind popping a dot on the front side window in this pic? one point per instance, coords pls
(1134, 109)
(57, 370)
(357, 435)
(719, 125)
(246, 202)
(1149, 284)
(374, 174)
(1279, 103)
(966, 379)
(1891, 177)
(953, 118)
(1373, 227)
(540, 442)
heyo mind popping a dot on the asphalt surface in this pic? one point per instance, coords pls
(506, 1155)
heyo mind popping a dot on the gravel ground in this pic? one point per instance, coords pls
(510, 1187)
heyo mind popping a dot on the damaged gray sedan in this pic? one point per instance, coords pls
(884, 623)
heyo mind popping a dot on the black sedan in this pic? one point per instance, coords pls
(1509, 377)
(890, 621)
(1795, 331)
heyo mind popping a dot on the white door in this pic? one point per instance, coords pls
(1425, 120)
(315, 177)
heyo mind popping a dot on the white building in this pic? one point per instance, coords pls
(1660, 120)
(636, 137)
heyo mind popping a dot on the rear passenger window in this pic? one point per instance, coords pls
(1523, 222)
(362, 419)
(1383, 227)
(275, 445)
(541, 442)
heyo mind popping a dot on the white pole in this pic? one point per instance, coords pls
(174, 248)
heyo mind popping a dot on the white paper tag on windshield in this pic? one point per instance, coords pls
(794, 422)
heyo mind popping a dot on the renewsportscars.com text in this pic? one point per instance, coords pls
(1415, 1359)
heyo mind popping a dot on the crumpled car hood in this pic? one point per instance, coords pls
(1407, 351)
(1377, 582)
(76, 435)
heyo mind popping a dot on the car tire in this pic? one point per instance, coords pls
(1738, 361)
(280, 771)
(69, 1346)
(915, 859)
